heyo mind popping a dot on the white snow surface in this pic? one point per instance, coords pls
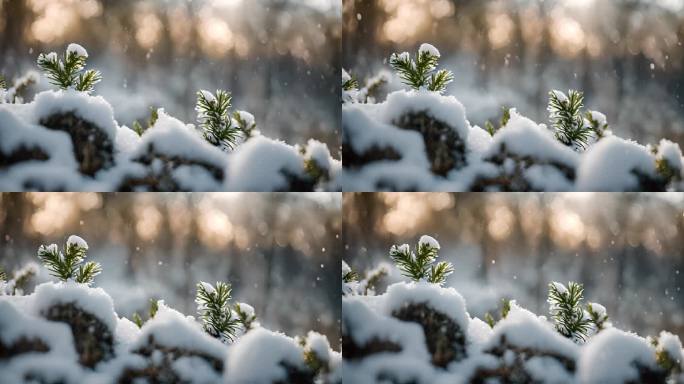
(445, 300)
(95, 301)
(670, 344)
(77, 241)
(429, 48)
(171, 328)
(609, 357)
(94, 109)
(672, 153)
(429, 241)
(609, 166)
(258, 165)
(256, 358)
(20, 129)
(77, 49)
(523, 137)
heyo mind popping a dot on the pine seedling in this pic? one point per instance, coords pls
(566, 117)
(246, 316)
(69, 265)
(3, 83)
(246, 123)
(349, 82)
(215, 311)
(348, 275)
(3, 275)
(152, 311)
(597, 316)
(69, 71)
(597, 124)
(154, 116)
(420, 265)
(422, 72)
(505, 309)
(505, 118)
(214, 117)
(565, 305)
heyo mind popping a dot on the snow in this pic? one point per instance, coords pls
(445, 300)
(15, 134)
(318, 152)
(609, 166)
(670, 344)
(318, 344)
(599, 117)
(257, 358)
(560, 95)
(172, 137)
(16, 325)
(609, 357)
(671, 153)
(257, 165)
(77, 241)
(428, 48)
(522, 328)
(180, 157)
(429, 241)
(95, 301)
(94, 109)
(77, 49)
(559, 287)
(208, 287)
(599, 309)
(208, 95)
(172, 329)
(523, 137)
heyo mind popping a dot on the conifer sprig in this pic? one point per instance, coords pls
(215, 120)
(422, 72)
(566, 117)
(246, 316)
(69, 264)
(69, 70)
(3, 83)
(567, 312)
(597, 316)
(215, 311)
(420, 265)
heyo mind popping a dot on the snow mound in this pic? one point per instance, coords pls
(262, 356)
(263, 164)
(614, 164)
(173, 330)
(94, 109)
(94, 301)
(615, 356)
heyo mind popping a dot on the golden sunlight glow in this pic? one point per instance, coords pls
(148, 29)
(216, 38)
(567, 228)
(567, 36)
(215, 228)
(53, 212)
(500, 221)
(148, 222)
(500, 29)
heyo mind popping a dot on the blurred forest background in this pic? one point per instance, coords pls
(280, 251)
(627, 249)
(626, 55)
(280, 58)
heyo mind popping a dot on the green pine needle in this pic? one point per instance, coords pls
(68, 71)
(215, 311)
(567, 120)
(566, 310)
(3, 83)
(419, 265)
(421, 72)
(215, 120)
(350, 84)
(69, 264)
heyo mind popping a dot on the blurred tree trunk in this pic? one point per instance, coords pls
(15, 210)
(16, 16)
